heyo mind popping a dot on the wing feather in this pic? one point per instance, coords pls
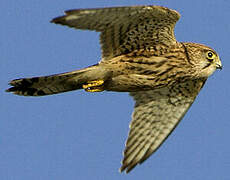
(156, 114)
(124, 29)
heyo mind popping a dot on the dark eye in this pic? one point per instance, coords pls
(210, 56)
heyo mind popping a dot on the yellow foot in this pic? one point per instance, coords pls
(94, 86)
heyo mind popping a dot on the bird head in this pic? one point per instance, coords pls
(204, 59)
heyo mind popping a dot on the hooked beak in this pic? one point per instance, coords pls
(219, 66)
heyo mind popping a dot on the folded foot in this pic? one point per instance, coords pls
(94, 86)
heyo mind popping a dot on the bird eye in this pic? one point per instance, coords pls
(210, 55)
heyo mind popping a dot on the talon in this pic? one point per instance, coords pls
(94, 86)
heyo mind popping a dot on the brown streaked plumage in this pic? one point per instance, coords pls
(140, 55)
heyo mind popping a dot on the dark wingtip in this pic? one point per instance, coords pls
(55, 20)
(125, 168)
(58, 20)
(62, 19)
(121, 170)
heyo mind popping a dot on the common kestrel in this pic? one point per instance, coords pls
(140, 55)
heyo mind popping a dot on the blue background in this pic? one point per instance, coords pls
(79, 135)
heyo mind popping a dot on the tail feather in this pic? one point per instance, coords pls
(46, 85)
(58, 83)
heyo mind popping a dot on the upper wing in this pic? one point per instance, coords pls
(124, 29)
(156, 114)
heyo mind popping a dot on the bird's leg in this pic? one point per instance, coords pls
(94, 86)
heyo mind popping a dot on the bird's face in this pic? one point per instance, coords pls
(210, 61)
(204, 58)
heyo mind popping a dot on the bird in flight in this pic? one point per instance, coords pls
(140, 55)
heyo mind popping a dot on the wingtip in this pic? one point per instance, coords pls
(121, 170)
(58, 20)
(53, 20)
(127, 168)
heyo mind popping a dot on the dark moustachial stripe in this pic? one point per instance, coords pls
(209, 64)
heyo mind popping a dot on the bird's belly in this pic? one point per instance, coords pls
(130, 83)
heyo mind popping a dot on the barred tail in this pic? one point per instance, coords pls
(53, 84)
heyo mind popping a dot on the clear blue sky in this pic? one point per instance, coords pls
(78, 135)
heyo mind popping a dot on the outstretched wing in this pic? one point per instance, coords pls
(156, 114)
(124, 29)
